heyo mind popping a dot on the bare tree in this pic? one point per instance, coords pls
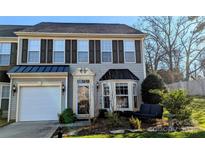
(192, 42)
(174, 43)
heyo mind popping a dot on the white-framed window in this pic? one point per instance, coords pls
(82, 48)
(135, 98)
(5, 51)
(5, 97)
(58, 51)
(106, 51)
(122, 97)
(129, 51)
(106, 96)
(34, 46)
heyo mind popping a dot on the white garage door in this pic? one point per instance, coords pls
(39, 103)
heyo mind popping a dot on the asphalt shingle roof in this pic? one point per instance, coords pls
(113, 74)
(8, 30)
(98, 28)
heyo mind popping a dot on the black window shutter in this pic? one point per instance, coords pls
(50, 51)
(138, 51)
(121, 51)
(97, 51)
(114, 51)
(67, 51)
(43, 50)
(24, 50)
(74, 51)
(91, 51)
(13, 53)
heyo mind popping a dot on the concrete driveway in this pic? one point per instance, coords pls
(41, 129)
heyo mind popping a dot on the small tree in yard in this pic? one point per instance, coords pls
(177, 103)
(152, 81)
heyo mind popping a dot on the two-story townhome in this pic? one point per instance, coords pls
(84, 66)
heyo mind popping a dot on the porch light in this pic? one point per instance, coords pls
(63, 87)
(14, 89)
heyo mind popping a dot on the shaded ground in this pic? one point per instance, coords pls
(3, 122)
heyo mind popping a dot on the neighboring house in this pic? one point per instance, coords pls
(8, 51)
(83, 66)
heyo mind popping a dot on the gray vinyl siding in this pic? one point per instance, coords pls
(100, 70)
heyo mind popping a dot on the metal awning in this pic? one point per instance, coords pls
(38, 69)
(116, 74)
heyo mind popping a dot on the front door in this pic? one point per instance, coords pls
(83, 98)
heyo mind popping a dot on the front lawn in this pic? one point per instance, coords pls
(198, 116)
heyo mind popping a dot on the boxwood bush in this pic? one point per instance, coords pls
(152, 82)
(67, 116)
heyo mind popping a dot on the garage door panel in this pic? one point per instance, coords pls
(39, 103)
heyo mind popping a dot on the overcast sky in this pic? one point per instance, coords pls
(31, 20)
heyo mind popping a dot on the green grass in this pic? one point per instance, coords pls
(198, 116)
(194, 134)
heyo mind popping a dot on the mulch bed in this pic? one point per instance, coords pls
(102, 126)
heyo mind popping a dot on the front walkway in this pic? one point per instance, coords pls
(41, 129)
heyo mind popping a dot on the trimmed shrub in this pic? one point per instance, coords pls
(114, 120)
(67, 116)
(177, 104)
(102, 113)
(152, 82)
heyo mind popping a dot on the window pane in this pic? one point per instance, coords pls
(121, 89)
(4, 59)
(82, 56)
(83, 45)
(83, 81)
(58, 45)
(130, 56)
(134, 89)
(5, 91)
(34, 45)
(4, 104)
(106, 45)
(5, 48)
(129, 45)
(33, 56)
(122, 102)
(106, 102)
(106, 57)
(58, 56)
(106, 89)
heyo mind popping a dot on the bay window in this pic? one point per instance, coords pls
(83, 48)
(106, 96)
(122, 99)
(106, 48)
(34, 51)
(129, 51)
(58, 51)
(5, 50)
